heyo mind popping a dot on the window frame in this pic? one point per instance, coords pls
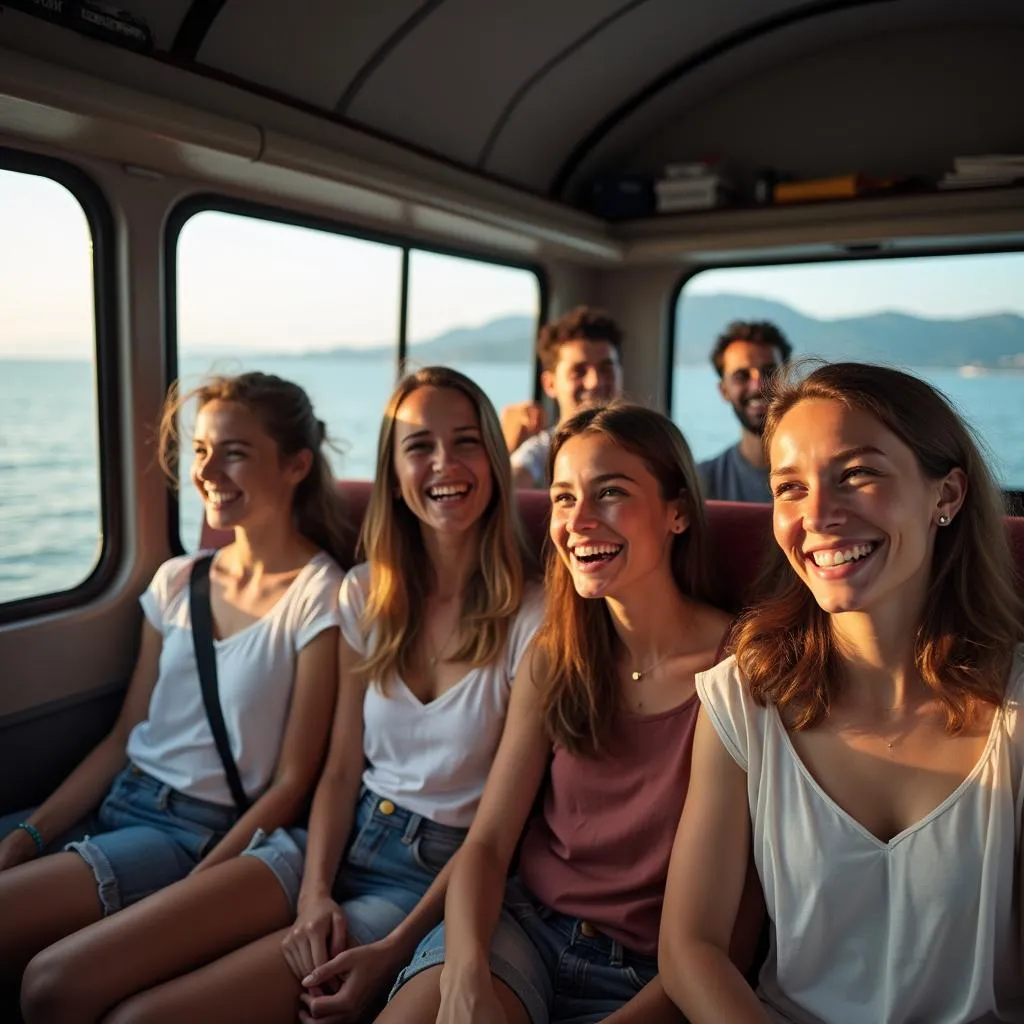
(853, 254)
(183, 211)
(99, 217)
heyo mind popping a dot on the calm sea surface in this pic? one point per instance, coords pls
(50, 526)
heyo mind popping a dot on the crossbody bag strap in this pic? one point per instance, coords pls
(206, 662)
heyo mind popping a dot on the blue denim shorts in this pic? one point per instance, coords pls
(393, 858)
(144, 836)
(561, 968)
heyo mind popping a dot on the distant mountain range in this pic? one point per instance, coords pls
(986, 341)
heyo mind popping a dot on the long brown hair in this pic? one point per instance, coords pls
(401, 575)
(286, 414)
(972, 616)
(577, 646)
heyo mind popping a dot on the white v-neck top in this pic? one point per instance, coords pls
(433, 759)
(255, 674)
(919, 930)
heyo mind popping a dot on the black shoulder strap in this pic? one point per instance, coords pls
(206, 661)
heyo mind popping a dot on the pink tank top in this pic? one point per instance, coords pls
(600, 849)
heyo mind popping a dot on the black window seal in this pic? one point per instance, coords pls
(215, 202)
(850, 254)
(98, 216)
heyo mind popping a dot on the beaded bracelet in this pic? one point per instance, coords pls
(34, 833)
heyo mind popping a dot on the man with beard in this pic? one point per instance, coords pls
(579, 356)
(745, 356)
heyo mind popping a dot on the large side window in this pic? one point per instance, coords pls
(956, 321)
(325, 309)
(479, 318)
(316, 307)
(51, 508)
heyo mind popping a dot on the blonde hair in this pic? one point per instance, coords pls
(972, 617)
(286, 414)
(400, 573)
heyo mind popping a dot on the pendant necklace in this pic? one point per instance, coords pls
(638, 673)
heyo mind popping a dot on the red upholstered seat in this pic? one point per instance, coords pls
(740, 534)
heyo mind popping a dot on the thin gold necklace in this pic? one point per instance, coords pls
(638, 673)
(438, 651)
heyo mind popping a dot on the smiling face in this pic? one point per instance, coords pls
(746, 367)
(609, 522)
(586, 371)
(854, 513)
(238, 469)
(440, 462)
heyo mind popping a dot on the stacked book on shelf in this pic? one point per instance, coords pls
(691, 186)
(984, 171)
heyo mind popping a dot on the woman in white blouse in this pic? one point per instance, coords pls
(433, 627)
(868, 735)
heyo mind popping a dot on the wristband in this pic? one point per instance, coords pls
(34, 833)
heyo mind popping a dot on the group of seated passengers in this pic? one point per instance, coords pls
(564, 808)
(579, 356)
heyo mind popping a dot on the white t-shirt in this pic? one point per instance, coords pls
(255, 672)
(532, 455)
(433, 759)
(919, 930)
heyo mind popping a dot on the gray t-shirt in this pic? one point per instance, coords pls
(532, 455)
(729, 477)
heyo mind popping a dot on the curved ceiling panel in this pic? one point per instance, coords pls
(162, 16)
(661, 130)
(818, 117)
(307, 49)
(578, 93)
(446, 84)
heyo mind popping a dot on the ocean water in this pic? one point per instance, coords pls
(50, 524)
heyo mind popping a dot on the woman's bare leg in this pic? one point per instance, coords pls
(43, 901)
(419, 999)
(176, 930)
(252, 985)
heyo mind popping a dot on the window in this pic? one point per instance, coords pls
(324, 309)
(51, 508)
(315, 307)
(956, 321)
(479, 318)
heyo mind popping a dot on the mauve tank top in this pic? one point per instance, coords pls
(600, 848)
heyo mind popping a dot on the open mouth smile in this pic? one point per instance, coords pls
(840, 562)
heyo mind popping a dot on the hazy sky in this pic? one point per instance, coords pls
(249, 285)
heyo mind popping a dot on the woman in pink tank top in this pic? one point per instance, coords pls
(603, 737)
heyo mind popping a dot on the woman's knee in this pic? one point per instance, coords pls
(53, 991)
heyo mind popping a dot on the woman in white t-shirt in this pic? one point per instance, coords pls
(434, 626)
(868, 735)
(154, 793)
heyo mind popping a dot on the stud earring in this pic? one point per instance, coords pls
(943, 519)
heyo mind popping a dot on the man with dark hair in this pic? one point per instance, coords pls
(745, 356)
(579, 357)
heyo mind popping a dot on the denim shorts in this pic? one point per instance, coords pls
(144, 836)
(561, 968)
(393, 858)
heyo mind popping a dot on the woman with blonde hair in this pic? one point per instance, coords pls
(609, 705)
(433, 626)
(161, 797)
(868, 734)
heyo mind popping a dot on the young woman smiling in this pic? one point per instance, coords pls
(433, 627)
(868, 734)
(151, 803)
(610, 704)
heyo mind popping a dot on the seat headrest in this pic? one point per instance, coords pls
(740, 534)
